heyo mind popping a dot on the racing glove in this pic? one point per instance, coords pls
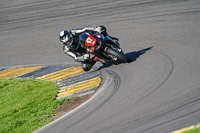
(100, 29)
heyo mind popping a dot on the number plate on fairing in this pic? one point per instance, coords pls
(90, 41)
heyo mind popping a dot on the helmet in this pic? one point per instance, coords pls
(66, 37)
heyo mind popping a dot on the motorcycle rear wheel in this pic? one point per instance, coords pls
(118, 55)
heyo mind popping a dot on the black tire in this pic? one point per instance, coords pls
(120, 56)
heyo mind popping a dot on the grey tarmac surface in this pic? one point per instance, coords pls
(158, 92)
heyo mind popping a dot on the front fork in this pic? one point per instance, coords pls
(117, 49)
(110, 57)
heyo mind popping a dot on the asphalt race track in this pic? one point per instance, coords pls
(158, 92)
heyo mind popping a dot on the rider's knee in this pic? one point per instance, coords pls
(86, 67)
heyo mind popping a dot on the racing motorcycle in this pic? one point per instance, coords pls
(103, 47)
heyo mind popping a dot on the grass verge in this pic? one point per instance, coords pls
(25, 104)
(195, 130)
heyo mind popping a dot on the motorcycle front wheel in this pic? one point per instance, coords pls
(118, 55)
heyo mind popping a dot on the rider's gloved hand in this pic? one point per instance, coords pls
(100, 29)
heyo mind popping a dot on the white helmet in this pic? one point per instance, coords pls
(66, 38)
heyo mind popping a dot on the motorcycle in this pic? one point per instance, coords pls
(103, 47)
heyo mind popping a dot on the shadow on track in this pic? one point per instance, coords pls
(132, 55)
(136, 54)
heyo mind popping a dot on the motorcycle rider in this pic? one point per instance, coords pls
(71, 46)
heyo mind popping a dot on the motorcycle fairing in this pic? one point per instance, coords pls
(110, 41)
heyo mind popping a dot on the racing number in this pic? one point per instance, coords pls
(89, 40)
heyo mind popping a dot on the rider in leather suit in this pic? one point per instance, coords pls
(71, 46)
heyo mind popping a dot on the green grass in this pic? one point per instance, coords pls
(25, 104)
(195, 130)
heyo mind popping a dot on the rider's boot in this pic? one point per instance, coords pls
(87, 65)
